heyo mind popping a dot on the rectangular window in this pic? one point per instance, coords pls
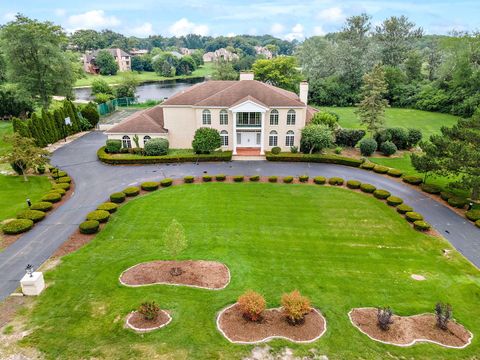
(289, 140)
(224, 140)
(249, 119)
(239, 138)
(259, 138)
(273, 140)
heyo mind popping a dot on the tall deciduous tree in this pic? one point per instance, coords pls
(223, 70)
(280, 71)
(106, 63)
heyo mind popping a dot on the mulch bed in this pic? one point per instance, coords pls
(237, 329)
(407, 330)
(137, 322)
(196, 273)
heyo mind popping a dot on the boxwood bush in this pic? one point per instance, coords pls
(156, 147)
(319, 180)
(34, 215)
(108, 206)
(59, 191)
(42, 206)
(367, 165)
(421, 225)
(404, 208)
(207, 178)
(394, 173)
(254, 178)
(64, 186)
(353, 184)
(394, 201)
(477, 223)
(381, 194)
(220, 177)
(288, 179)
(457, 202)
(273, 179)
(188, 179)
(412, 216)
(473, 215)
(431, 189)
(381, 169)
(98, 215)
(338, 181)
(17, 226)
(445, 195)
(303, 178)
(149, 186)
(276, 150)
(52, 197)
(367, 188)
(238, 178)
(89, 227)
(166, 182)
(314, 158)
(131, 191)
(118, 197)
(113, 146)
(368, 146)
(64, 179)
(388, 148)
(413, 180)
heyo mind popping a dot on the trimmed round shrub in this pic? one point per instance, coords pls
(252, 305)
(319, 180)
(412, 180)
(118, 197)
(388, 148)
(150, 185)
(254, 178)
(477, 223)
(303, 178)
(368, 146)
(404, 208)
(380, 169)
(473, 215)
(131, 191)
(238, 178)
(338, 181)
(394, 201)
(207, 178)
(108, 206)
(421, 225)
(17, 226)
(113, 146)
(65, 179)
(42, 206)
(188, 179)
(273, 179)
(59, 191)
(445, 195)
(288, 179)
(98, 215)
(431, 189)
(394, 173)
(367, 188)
(166, 182)
(206, 140)
(457, 202)
(52, 197)
(64, 186)
(220, 177)
(367, 165)
(413, 216)
(89, 227)
(156, 147)
(58, 174)
(34, 215)
(276, 150)
(381, 194)
(353, 184)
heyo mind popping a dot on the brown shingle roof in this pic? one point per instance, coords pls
(145, 121)
(310, 112)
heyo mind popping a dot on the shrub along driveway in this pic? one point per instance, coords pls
(94, 182)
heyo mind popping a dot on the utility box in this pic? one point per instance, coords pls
(32, 285)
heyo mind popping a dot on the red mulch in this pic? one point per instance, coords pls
(138, 321)
(207, 274)
(10, 306)
(406, 329)
(274, 323)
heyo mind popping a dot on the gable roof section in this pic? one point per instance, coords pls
(145, 121)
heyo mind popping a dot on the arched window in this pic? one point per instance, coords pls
(290, 138)
(291, 117)
(126, 142)
(224, 117)
(146, 138)
(206, 117)
(274, 117)
(273, 138)
(224, 137)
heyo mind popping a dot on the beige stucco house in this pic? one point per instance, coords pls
(250, 115)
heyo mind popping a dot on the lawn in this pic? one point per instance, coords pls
(145, 76)
(429, 122)
(5, 129)
(341, 248)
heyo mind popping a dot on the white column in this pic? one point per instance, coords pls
(234, 135)
(262, 133)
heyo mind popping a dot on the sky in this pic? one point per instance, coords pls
(293, 19)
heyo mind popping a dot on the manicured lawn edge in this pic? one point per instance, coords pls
(316, 158)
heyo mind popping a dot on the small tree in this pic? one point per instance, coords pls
(128, 85)
(175, 242)
(384, 318)
(424, 164)
(252, 305)
(100, 86)
(24, 154)
(149, 310)
(316, 137)
(295, 306)
(443, 313)
(206, 140)
(106, 63)
(90, 113)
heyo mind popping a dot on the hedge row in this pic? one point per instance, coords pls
(315, 158)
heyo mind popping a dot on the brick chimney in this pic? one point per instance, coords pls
(304, 92)
(246, 75)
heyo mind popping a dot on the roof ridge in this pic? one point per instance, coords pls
(276, 89)
(187, 90)
(233, 83)
(251, 98)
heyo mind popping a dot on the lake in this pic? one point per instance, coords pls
(158, 90)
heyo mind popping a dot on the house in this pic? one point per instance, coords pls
(220, 54)
(123, 59)
(261, 50)
(138, 52)
(251, 116)
(186, 51)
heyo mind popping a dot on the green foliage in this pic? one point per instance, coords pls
(119, 197)
(303, 178)
(100, 86)
(42, 206)
(348, 137)
(367, 165)
(127, 86)
(394, 173)
(457, 202)
(52, 197)
(338, 181)
(294, 149)
(106, 63)
(421, 225)
(150, 185)
(368, 188)
(89, 227)
(224, 70)
(14, 102)
(149, 310)
(477, 223)
(316, 138)
(288, 179)
(473, 215)
(315, 158)
(157, 147)
(388, 148)
(64, 179)
(431, 189)
(174, 238)
(90, 113)
(64, 186)
(254, 178)
(220, 177)
(325, 118)
(99, 215)
(319, 180)
(353, 184)
(114, 146)
(379, 169)
(414, 137)
(394, 201)
(17, 226)
(238, 178)
(207, 178)
(206, 140)
(412, 180)
(34, 215)
(131, 191)
(108, 206)
(404, 208)
(446, 195)
(188, 179)
(368, 146)
(280, 71)
(273, 179)
(276, 150)
(166, 182)
(412, 216)
(381, 194)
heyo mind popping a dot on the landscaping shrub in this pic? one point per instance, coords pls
(238, 178)
(368, 188)
(188, 179)
(394, 201)
(303, 178)
(99, 215)
(156, 147)
(412, 216)
(113, 146)
(42, 206)
(166, 182)
(34, 215)
(41, 169)
(276, 150)
(315, 158)
(252, 305)
(381, 194)
(89, 227)
(477, 223)
(394, 173)
(58, 174)
(17, 226)
(380, 169)
(64, 186)
(108, 206)
(384, 318)
(473, 215)
(457, 202)
(368, 146)
(404, 208)
(295, 307)
(414, 137)
(150, 185)
(353, 184)
(446, 195)
(412, 180)
(220, 177)
(64, 179)
(367, 165)
(59, 191)
(273, 179)
(52, 197)
(443, 313)
(131, 191)
(254, 178)
(338, 150)
(388, 148)
(206, 140)
(119, 197)
(294, 149)
(338, 181)
(348, 137)
(319, 180)
(288, 179)
(431, 189)
(421, 225)
(149, 310)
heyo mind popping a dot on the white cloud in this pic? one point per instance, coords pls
(297, 33)
(10, 16)
(143, 30)
(333, 15)
(184, 27)
(60, 12)
(298, 28)
(95, 19)
(277, 28)
(230, 34)
(318, 31)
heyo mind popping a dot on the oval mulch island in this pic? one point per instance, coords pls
(210, 275)
(232, 325)
(137, 321)
(408, 330)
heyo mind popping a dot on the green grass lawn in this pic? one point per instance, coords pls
(340, 248)
(5, 129)
(145, 76)
(429, 122)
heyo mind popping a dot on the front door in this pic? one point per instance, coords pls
(249, 139)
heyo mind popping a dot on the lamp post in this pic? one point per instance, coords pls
(29, 270)
(68, 122)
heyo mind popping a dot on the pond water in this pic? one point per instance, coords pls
(158, 90)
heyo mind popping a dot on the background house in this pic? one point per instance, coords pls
(220, 54)
(123, 59)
